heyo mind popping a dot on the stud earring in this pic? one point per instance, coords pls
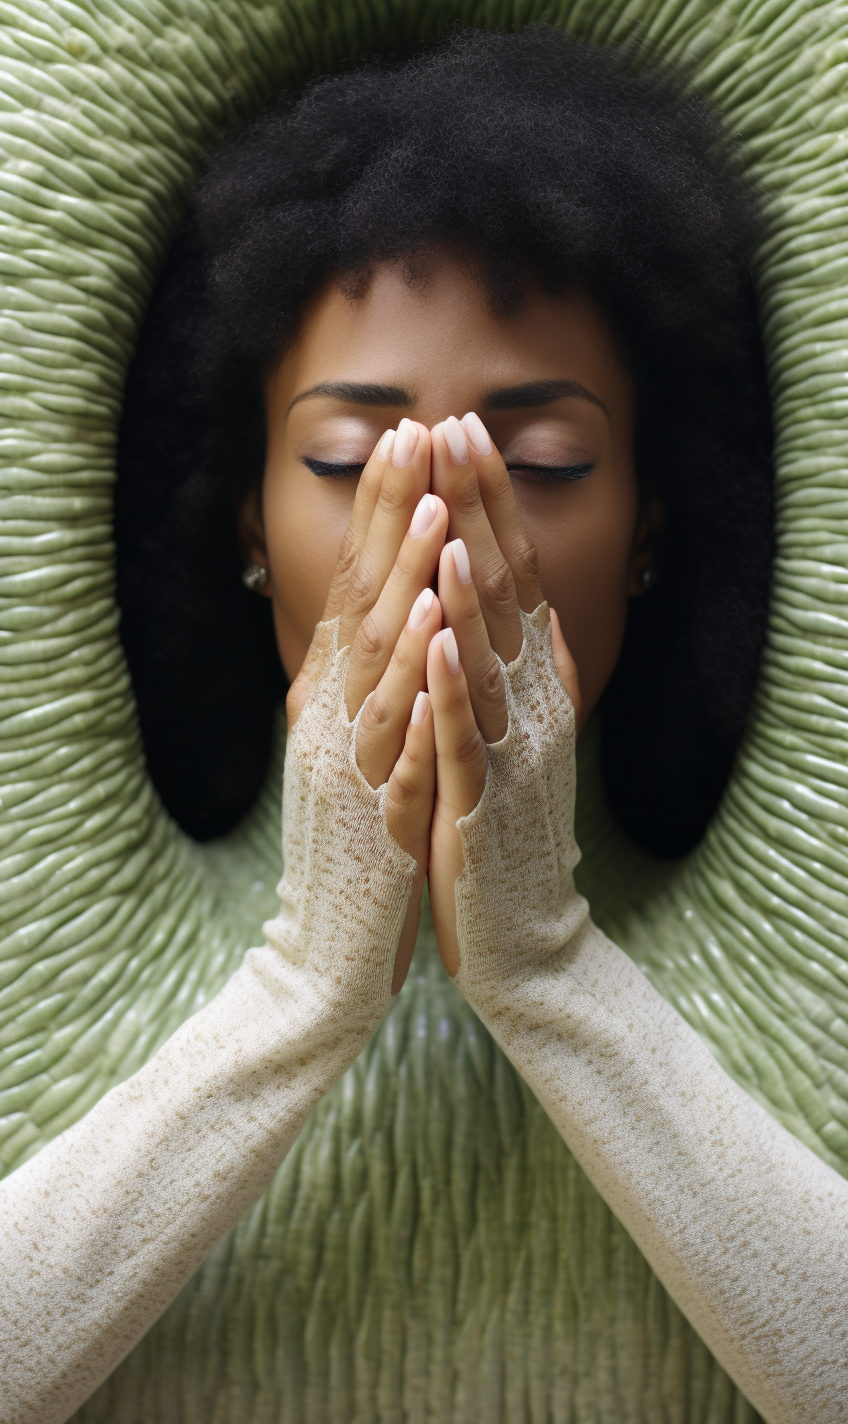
(649, 577)
(254, 577)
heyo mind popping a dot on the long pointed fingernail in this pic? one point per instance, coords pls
(451, 651)
(420, 608)
(406, 442)
(477, 433)
(386, 445)
(460, 560)
(456, 441)
(425, 512)
(419, 709)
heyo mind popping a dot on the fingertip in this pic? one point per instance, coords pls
(420, 709)
(422, 448)
(477, 433)
(435, 658)
(385, 446)
(447, 647)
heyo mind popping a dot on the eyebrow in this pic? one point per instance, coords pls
(532, 393)
(523, 396)
(359, 393)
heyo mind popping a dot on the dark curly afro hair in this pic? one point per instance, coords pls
(550, 160)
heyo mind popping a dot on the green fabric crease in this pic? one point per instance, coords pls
(429, 1250)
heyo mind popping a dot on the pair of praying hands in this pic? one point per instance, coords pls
(424, 679)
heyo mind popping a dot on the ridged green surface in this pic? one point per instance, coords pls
(429, 1251)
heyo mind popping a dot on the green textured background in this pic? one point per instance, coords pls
(429, 1251)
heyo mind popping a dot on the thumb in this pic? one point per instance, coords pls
(565, 665)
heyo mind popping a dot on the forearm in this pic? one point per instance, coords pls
(747, 1229)
(100, 1231)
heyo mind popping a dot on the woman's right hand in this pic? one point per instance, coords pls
(387, 614)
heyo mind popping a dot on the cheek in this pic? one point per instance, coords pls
(584, 549)
(304, 526)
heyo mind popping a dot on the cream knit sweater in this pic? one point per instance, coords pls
(747, 1229)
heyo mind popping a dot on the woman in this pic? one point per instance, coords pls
(594, 368)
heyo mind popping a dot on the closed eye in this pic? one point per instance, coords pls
(551, 474)
(331, 469)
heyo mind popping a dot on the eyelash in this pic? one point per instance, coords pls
(546, 474)
(326, 469)
(553, 474)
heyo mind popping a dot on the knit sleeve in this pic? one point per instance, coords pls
(102, 1228)
(746, 1228)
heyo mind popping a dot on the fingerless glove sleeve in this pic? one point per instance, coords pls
(102, 1228)
(746, 1228)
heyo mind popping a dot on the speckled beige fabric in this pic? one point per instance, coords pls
(747, 1229)
(100, 1230)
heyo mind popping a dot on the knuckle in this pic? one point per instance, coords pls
(393, 496)
(469, 750)
(488, 681)
(404, 568)
(370, 641)
(465, 497)
(404, 785)
(360, 588)
(403, 658)
(497, 587)
(375, 714)
(527, 560)
(347, 554)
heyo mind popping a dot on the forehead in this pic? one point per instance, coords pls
(439, 335)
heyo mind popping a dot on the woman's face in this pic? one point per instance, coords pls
(551, 389)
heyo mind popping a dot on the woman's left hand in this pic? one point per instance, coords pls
(487, 573)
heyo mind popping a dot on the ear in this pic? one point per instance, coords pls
(251, 536)
(646, 552)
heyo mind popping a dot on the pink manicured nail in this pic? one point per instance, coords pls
(419, 709)
(477, 433)
(460, 560)
(456, 441)
(420, 608)
(425, 512)
(406, 441)
(386, 445)
(451, 651)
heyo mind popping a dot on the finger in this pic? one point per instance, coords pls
(379, 631)
(409, 810)
(502, 510)
(385, 718)
(406, 477)
(566, 667)
(461, 763)
(412, 785)
(367, 492)
(461, 759)
(461, 610)
(455, 479)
